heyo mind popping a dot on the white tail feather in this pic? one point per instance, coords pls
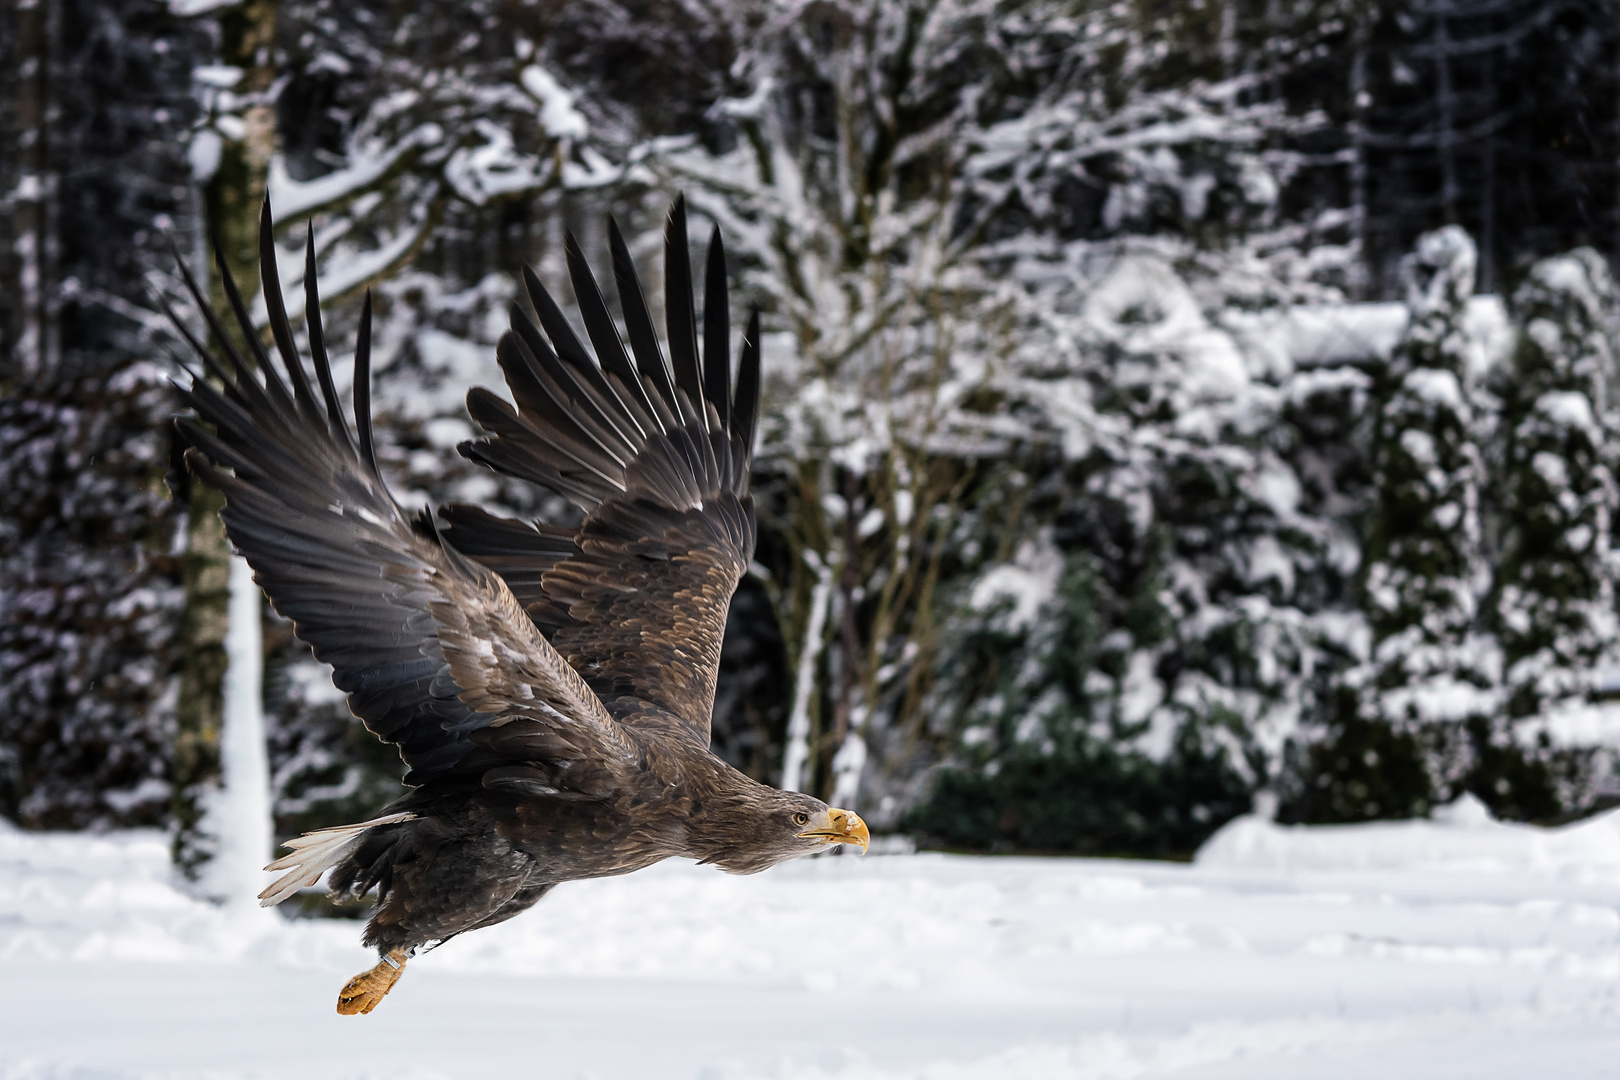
(316, 852)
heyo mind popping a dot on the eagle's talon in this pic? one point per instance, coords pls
(362, 993)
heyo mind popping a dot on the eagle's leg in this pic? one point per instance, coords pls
(439, 874)
(362, 993)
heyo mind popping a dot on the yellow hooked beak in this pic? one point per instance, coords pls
(838, 827)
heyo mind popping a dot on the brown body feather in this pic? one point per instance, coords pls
(549, 690)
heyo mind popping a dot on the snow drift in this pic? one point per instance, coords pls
(1459, 946)
(1462, 836)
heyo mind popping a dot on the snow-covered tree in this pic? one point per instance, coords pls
(1063, 744)
(398, 155)
(1196, 487)
(923, 195)
(230, 161)
(838, 194)
(94, 105)
(1427, 690)
(1554, 602)
(88, 602)
(1555, 585)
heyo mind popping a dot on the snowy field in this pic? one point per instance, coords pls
(1457, 948)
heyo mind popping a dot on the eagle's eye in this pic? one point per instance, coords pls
(801, 818)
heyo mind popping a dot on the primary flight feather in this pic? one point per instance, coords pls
(549, 689)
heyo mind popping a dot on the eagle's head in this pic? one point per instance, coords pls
(769, 826)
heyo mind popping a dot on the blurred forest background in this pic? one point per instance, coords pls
(1173, 406)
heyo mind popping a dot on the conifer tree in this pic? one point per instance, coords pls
(1411, 710)
(1554, 599)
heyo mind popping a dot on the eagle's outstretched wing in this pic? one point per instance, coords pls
(636, 597)
(433, 650)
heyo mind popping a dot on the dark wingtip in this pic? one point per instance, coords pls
(273, 384)
(680, 320)
(604, 336)
(314, 329)
(240, 382)
(746, 407)
(638, 321)
(177, 478)
(533, 287)
(197, 347)
(275, 309)
(362, 387)
(549, 314)
(717, 331)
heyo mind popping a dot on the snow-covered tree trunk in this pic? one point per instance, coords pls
(233, 159)
(796, 754)
(237, 817)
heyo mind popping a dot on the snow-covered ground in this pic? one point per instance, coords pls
(1457, 948)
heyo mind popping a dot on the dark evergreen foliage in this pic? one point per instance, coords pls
(1090, 800)
(1057, 768)
(88, 601)
(88, 597)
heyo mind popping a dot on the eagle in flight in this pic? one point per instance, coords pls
(549, 689)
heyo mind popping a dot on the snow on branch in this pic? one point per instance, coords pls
(368, 168)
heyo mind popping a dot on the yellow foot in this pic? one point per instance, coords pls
(364, 991)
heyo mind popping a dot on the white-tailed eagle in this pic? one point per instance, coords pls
(549, 689)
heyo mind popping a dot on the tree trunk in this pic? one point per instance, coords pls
(34, 348)
(1487, 193)
(205, 577)
(1361, 275)
(1446, 135)
(231, 203)
(240, 816)
(796, 766)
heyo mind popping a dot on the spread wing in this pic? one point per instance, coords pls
(433, 650)
(656, 456)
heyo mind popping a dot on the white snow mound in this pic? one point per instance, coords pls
(1461, 836)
